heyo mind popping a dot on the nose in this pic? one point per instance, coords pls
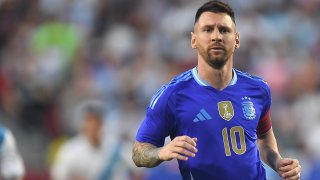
(216, 35)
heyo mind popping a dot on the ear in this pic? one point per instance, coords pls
(237, 39)
(193, 41)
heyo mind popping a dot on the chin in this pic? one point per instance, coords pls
(216, 64)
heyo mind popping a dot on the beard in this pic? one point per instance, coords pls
(212, 59)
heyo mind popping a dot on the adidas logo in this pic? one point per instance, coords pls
(202, 116)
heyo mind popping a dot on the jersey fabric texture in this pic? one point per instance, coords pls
(226, 123)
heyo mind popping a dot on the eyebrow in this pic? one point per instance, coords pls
(215, 25)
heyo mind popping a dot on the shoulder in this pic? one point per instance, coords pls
(71, 150)
(68, 147)
(252, 80)
(77, 140)
(167, 90)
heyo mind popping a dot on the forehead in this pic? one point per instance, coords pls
(210, 18)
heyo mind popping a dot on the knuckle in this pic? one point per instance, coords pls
(173, 141)
(181, 150)
(183, 137)
(184, 151)
(184, 144)
(176, 143)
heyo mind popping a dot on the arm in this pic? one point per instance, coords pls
(145, 155)
(286, 168)
(148, 155)
(268, 147)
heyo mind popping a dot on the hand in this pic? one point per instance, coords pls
(288, 169)
(179, 148)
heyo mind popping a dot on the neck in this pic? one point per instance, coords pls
(217, 78)
(93, 141)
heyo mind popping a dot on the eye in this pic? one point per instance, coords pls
(224, 30)
(207, 29)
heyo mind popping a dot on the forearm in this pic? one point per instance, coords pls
(269, 152)
(269, 156)
(145, 155)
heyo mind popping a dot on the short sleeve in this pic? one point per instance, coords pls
(265, 122)
(158, 122)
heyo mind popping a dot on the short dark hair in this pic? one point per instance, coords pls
(215, 7)
(93, 109)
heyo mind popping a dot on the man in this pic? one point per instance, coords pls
(91, 154)
(217, 117)
(11, 163)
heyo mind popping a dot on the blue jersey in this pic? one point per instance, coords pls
(226, 123)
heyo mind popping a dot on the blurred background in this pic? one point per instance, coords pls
(57, 54)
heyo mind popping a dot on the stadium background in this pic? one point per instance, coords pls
(56, 54)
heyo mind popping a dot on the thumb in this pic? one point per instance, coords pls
(284, 162)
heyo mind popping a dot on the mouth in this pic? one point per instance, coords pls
(217, 49)
(216, 46)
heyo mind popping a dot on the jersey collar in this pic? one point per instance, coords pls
(202, 82)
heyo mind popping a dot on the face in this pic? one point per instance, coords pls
(92, 128)
(215, 38)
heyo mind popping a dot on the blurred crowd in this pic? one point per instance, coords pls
(56, 55)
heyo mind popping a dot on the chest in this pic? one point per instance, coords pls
(211, 111)
(87, 161)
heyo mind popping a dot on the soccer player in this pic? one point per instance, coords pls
(218, 118)
(93, 153)
(11, 163)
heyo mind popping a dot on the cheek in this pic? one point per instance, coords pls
(230, 43)
(201, 48)
(203, 43)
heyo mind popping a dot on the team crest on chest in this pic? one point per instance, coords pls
(226, 110)
(248, 109)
